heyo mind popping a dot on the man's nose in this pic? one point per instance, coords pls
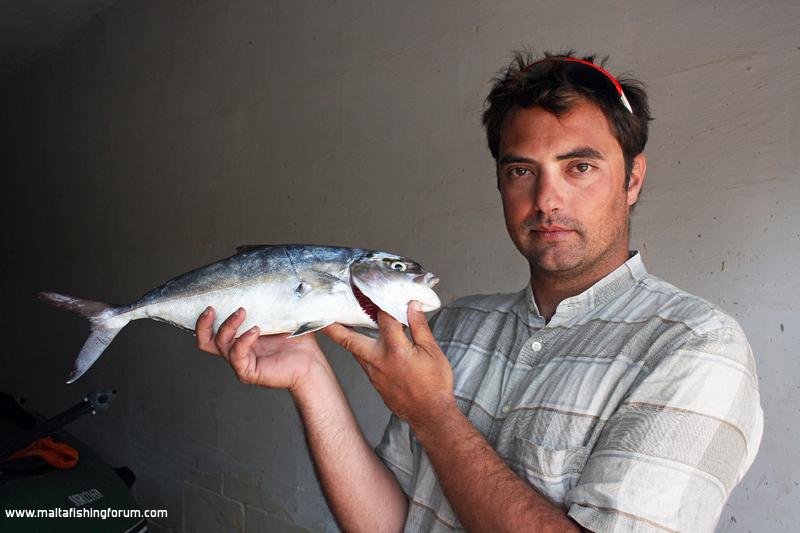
(548, 194)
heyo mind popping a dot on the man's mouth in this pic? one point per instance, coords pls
(551, 233)
(367, 305)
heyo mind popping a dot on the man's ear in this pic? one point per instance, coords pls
(637, 178)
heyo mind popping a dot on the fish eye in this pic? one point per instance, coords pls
(397, 265)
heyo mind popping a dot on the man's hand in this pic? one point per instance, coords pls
(413, 378)
(275, 361)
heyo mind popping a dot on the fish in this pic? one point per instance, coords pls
(297, 288)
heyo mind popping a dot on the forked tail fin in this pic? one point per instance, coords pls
(105, 323)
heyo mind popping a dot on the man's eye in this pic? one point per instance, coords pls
(518, 172)
(583, 167)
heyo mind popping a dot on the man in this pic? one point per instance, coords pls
(598, 398)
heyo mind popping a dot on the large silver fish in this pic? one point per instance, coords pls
(284, 288)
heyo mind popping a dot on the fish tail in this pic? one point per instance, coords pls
(105, 321)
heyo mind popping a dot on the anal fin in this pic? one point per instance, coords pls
(309, 327)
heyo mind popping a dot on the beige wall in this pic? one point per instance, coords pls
(167, 133)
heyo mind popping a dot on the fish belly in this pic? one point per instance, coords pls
(274, 308)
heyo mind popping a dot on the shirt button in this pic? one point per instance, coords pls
(536, 346)
(506, 409)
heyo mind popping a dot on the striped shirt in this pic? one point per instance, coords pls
(636, 408)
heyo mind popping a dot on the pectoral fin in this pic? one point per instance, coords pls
(309, 327)
(302, 289)
(314, 280)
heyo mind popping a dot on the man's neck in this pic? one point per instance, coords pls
(550, 289)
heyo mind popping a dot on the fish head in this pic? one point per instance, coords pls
(389, 282)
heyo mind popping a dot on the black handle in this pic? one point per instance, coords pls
(95, 402)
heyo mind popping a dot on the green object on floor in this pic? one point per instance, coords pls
(29, 485)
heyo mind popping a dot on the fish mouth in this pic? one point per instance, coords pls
(367, 305)
(428, 279)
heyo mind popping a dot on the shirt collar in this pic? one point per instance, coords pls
(617, 282)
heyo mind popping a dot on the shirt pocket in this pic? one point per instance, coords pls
(552, 472)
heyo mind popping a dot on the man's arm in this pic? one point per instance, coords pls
(361, 491)
(682, 438)
(416, 383)
(485, 494)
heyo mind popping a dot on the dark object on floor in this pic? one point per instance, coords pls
(89, 488)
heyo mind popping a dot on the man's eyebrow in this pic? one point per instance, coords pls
(584, 151)
(511, 158)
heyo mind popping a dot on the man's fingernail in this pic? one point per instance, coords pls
(206, 311)
(416, 306)
(239, 311)
(253, 330)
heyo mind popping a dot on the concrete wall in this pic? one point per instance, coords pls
(167, 133)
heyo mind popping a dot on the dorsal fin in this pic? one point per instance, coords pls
(247, 247)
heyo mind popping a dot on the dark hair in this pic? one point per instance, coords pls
(551, 89)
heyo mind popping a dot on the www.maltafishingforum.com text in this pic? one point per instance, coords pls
(73, 512)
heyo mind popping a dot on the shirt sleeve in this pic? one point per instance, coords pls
(669, 456)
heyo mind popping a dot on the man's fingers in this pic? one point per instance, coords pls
(227, 332)
(392, 331)
(241, 358)
(357, 344)
(420, 331)
(204, 331)
(366, 367)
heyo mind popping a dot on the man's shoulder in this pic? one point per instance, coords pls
(485, 303)
(468, 314)
(689, 325)
(655, 297)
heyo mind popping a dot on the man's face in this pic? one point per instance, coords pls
(562, 182)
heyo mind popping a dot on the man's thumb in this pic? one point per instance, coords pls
(418, 325)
